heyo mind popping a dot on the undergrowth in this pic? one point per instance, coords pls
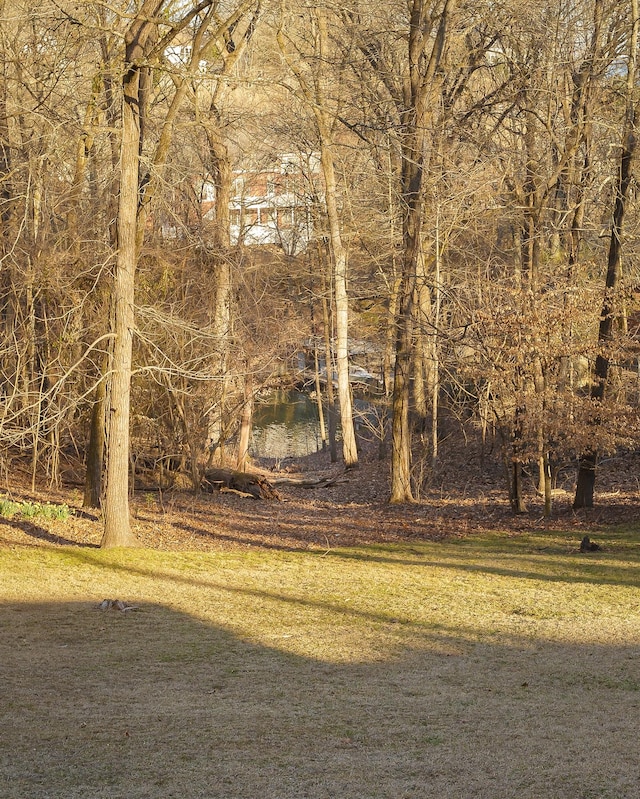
(30, 510)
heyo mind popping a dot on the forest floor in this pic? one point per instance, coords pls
(464, 496)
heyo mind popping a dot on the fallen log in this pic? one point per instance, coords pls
(306, 482)
(248, 484)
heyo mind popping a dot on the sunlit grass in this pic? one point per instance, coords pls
(363, 603)
(474, 667)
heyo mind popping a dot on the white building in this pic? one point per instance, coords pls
(274, 205)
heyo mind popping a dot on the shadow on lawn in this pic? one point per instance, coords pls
(618, 575)
(159, 704)
(615, 574)
(250, 593)
(35, 531)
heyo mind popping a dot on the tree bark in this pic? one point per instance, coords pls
(117, 523)
(349, 447)
(313, 90)
(421, 89)
(245, 424)
(95, 450)
(331, 404)
(587, 466)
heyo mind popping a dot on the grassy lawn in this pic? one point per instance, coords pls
(497, 667)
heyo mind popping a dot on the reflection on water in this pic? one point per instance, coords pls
(285, 425)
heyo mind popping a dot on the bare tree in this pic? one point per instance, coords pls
(422, 88)
(311, 78)
(611, 305)
(146, 38)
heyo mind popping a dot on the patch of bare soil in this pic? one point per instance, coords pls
(465, 496)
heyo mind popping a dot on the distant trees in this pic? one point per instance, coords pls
(613, 304)
(48, 341)
(474, 204)
(309, 65)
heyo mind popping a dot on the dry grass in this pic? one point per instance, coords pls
(493, 666)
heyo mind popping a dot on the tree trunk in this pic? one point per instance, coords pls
(222, 179)
(611, 305)
(95, 450)
(422, 87)
(221, 325)
(349, 447)
(117, 530)
(331, 404)
(316, 371)
(388, 361)
(517, 499)
(245, 424)
(314, 95)
(400, 429)
(117, 523)
(585, 486)
(435, 363)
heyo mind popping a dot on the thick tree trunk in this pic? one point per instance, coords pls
(117, 523)
(421, 89)
(222, 277)
(117, 530)
(517, 499)
(585, 486)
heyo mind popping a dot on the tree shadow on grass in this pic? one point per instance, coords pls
(239, 538)
(589, 569)
(156, 703)
(594, 572)
(40, 534)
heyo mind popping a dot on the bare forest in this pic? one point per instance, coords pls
(203, 201)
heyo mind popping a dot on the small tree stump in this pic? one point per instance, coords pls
(587, 545)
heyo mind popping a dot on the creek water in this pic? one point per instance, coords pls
(285, 425)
